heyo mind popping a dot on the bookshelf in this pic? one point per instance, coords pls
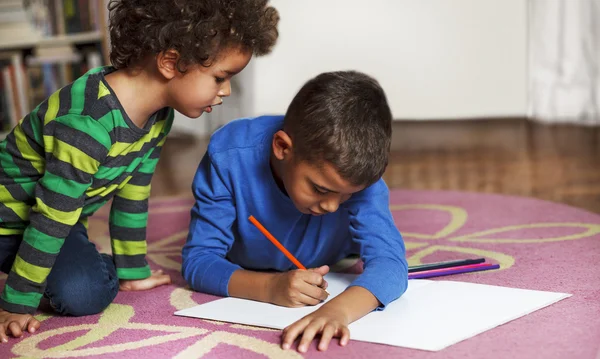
(81, 38)
(45, 45)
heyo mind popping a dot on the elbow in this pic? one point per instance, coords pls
(402, 286)
(185, 270)
(191, 268)
(400, 282)
(398, 288)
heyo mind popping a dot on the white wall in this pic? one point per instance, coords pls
(436, 59)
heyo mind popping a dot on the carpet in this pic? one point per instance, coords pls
(539, 245)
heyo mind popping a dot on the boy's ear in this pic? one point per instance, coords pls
(166, 63)
(282, 145)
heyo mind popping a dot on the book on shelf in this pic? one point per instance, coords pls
(28, 23)
(25, 84)
(14, 90)
(44, 46)
(60, 17)
(15, 26)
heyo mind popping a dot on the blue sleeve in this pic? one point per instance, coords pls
(382, 249)
(210, 237)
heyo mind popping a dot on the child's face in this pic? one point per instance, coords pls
(200, 88)
(317, 190)
(314, 189)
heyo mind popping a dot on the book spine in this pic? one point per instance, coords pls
(60, 17)
(21, 86)
(9, 95)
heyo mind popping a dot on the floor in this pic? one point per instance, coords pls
(560, 163)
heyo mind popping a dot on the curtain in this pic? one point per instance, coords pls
(564, 61)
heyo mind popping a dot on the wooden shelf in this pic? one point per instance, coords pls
(15, 43)
(79, 38)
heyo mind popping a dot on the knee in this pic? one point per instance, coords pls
(82, 295)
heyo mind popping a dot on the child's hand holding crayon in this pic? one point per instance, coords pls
(299, 288)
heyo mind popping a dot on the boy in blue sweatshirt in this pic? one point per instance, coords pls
(313, 178)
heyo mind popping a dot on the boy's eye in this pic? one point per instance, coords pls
(318, 190)
(219, 80)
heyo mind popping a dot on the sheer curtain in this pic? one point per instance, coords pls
(564, 60)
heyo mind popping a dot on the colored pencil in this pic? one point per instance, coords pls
(457, 267)
(276, 242)
(448, 264)
(278, 245)
(450, 271)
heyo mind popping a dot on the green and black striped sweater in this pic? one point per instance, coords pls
(61, 163)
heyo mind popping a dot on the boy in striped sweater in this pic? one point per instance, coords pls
(100, 138)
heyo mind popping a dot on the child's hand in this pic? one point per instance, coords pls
(299, 288)
(327, 321)
(14, 324)
(156, 279)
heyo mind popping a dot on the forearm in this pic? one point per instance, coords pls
(251, 285)
(127, 225)
(354, 303)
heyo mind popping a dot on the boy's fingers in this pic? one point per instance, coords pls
(322, 270)
(324, 285)
(33, 325)
(307, 300)
(313, 278)
(345, 336)
(292, 332)
(14, 329)
(308, 336)
(328, 333)
(314, 292)
(3, 336)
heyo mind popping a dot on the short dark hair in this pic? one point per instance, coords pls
(343, 118)
(198, 29)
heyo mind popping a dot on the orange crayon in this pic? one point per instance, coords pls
(277, 244)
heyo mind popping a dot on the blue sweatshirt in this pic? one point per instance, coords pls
(234, 180)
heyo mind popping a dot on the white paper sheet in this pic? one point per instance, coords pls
(431, 315)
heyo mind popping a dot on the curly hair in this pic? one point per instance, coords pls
(342, 118)
(198, 29)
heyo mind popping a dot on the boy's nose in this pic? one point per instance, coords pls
(330, 206)
(225, 89)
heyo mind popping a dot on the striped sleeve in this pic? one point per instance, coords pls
(129, 217)
(74, 147)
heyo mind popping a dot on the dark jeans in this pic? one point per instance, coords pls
(81, 282)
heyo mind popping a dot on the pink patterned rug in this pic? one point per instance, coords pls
(540, 245)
